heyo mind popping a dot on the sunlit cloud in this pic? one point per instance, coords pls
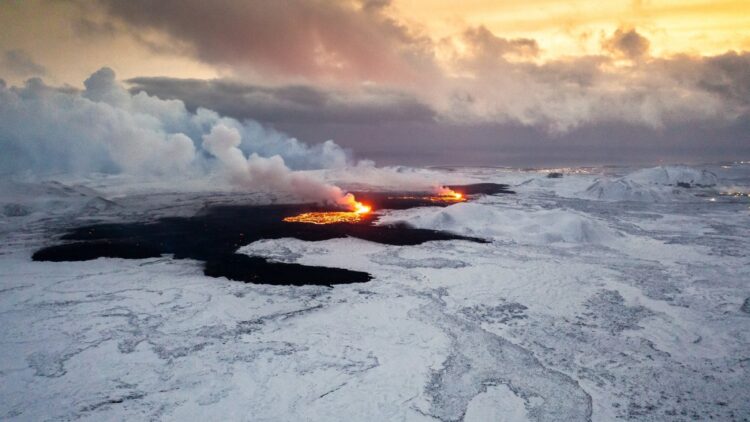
(348, 69)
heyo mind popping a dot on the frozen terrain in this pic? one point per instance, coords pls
(604, 294)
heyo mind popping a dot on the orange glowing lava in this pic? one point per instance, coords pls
(447, 198)
(360, 208)
(447, 195)
(332, 217)
(444, 195)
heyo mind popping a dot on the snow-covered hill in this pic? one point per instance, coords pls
(652, 184)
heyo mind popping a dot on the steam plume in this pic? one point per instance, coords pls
(270, 173)
(46, 130)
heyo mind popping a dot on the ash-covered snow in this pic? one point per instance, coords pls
(582, 306)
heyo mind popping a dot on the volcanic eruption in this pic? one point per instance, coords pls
(446, 194)
(442, 195)
(358, 211)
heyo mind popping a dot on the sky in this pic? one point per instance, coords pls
(419, 82)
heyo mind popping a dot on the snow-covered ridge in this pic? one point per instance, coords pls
(652, 184)
(674, 176)
(503, 223)
(21, 202)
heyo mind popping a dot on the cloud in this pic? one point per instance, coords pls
(104, 128)
(488, 143)
(727, 75)
(359, 65)
(482, 43)
(498, 82)
(333, 40)
(290, 103)
(495, 94)
(268, 173)
(627, 43)
(89, 28)
(564, 94)
(350, 70)
(19, 63)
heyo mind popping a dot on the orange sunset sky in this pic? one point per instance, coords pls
(472, 81)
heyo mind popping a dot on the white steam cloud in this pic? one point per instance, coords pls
(268, 173)
(46, 130)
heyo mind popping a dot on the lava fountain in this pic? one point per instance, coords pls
(358, 212)
(446, 194)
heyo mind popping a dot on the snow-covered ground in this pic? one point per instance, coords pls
(606, 293)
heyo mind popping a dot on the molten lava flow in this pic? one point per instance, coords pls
(446, 194)
(359, 211)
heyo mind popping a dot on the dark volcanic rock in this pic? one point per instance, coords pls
(482, 188)
(253, 269)
(745, 306)
(214, 235)
(85, 251)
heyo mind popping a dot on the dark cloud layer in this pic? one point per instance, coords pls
(482, 41)
(727, 75)
(628, 43)
(493, 144)
(288, 104)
